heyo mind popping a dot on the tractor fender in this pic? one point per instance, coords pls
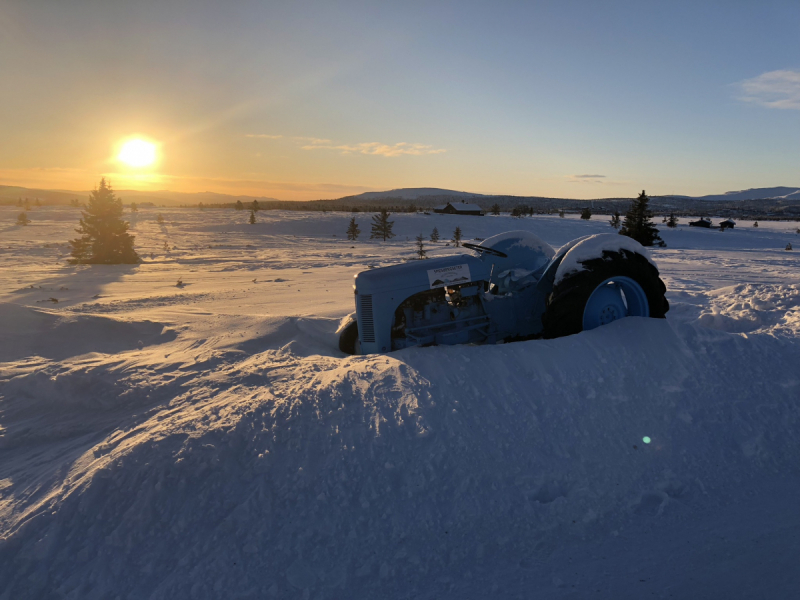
(593, 246)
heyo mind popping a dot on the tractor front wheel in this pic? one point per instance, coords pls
(616, 285)
(348, 338)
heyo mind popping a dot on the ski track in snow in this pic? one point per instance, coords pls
(210, 441)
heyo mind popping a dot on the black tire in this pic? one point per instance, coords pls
(565, 304)
(348, 339)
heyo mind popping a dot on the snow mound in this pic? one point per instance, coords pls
(58, 335)
(277, 474)
(593, 247)
(748, 308)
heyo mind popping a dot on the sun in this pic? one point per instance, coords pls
(137, 153)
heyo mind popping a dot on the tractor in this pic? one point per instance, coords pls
(515, 287)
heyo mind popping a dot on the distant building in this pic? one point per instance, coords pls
(727, 224)
(459, 208)
(701, 223)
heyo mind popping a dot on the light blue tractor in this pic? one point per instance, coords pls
(515, 287)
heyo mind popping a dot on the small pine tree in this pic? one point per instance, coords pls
(586, 213)
(104, 235)
(755, 223)
(530, 211)
(160, 219)
(239, 205)
(412, 208)
(638, 224)
(252, 219)
(518, 212)
(672, 222)
(255, 206)
(495, 209)
(353, 230)
(421, 253)
(561, 213)
(22, 219)
(381, 226)
(435, 235)
(74, 202)
(134, 208)
(457, 236)
(615, 220)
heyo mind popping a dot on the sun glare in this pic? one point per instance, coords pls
(137, 153)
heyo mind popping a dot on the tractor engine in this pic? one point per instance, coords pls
(446, 315)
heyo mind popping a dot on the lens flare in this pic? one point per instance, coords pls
(137, 153)
(646, 440)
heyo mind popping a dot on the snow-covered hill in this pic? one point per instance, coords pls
(210, 441)
(786, 193)
(414, 193)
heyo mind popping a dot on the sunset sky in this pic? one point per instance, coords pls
(307, 100)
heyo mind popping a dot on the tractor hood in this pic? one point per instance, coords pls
(523, 250)
(423, 274)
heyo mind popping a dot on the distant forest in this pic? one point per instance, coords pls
(530, 205)
(777, 209)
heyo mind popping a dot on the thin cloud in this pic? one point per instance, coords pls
(265, 136)
(378, 149)
(586, 178)
(774, 89)
(311, 140)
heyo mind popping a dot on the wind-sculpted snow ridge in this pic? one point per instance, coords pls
(431, 472)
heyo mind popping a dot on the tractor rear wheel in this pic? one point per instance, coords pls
(610, 287)
(348, 338)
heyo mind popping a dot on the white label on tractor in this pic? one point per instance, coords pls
(455, 275)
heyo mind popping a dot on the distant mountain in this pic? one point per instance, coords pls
(414, 193)
(773, 193)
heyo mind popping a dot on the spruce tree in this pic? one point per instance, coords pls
(252, 219)
(586, 213)
(615, 220)
(435, 235)
(495, 209)
(755, 223)
(381, 226)
(104, 235)
(421, 253)
(352, 230)
(638, 224)
(239, 205)
(255, 206)
(160, 219)
(561, 213)
(134, 208)
(672, 222)
(22, 219)
(457, 236)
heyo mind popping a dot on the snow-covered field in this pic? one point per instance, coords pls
(210, 441)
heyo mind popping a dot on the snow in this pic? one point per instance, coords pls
(211, 441)
(593, 247)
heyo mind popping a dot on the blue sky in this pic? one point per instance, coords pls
(318, 100)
